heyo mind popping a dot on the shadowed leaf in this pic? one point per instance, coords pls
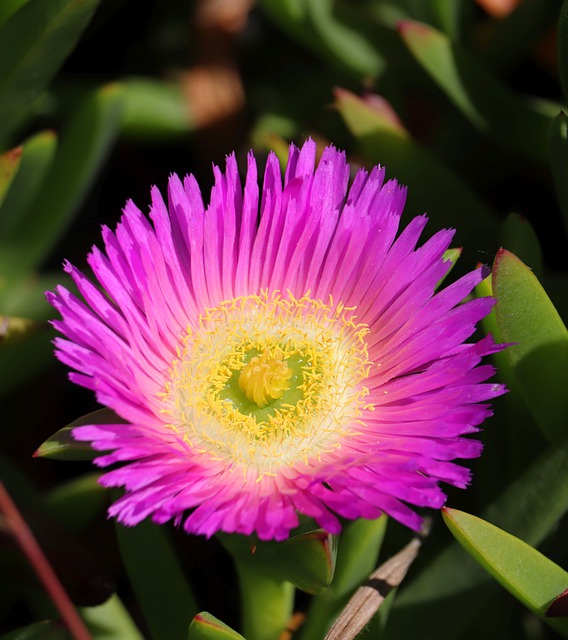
(34, 42)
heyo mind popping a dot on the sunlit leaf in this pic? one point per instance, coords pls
(84, 146)
(306, 560)
(163, 593)
(539, 359)
(111, 621)
(207, 627)
(63, 446)
(454, 588)
(530, 576)
(154, 110)
(357, 554)
(489, 105)
(451, 255)
(267, 602)
(34, 42)
(518, 237)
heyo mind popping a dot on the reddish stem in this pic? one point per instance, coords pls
(43, 569)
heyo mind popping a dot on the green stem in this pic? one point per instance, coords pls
(266, 603)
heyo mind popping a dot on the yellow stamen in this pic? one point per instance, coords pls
(264, 379)
(267, 380)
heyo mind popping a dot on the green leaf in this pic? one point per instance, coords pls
(306, 560)
(358, 550)
(433, 187)
(9, 164)
(9, 7)
(539, 359)
(518, 237)
(111, 621)
(37, 157)
(154, 110)
(454, 588)
(34, 42)
(451, 255)
(84, 147)
(266, 602)
(63, 446)
(76, 503)
(45, 630)
(489, 105)
(563, 48)
(163, 593)
(207, 627)
(558, 156)
(334, 31)
(531, 577)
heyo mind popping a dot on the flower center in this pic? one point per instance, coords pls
(264, 379)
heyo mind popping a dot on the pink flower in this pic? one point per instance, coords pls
(277, 353)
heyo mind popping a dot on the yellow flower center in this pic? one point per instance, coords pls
(265, 380)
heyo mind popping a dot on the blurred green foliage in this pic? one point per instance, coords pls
(99, 99)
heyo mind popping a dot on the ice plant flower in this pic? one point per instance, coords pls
(277, 353)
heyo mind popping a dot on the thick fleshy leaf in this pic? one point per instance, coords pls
(454, 588)
(267, 602)
(451, 255)
(358, 550)
(306, 560)
(9, 164)
(9, 7)
(63, 446)
(558, 156)
(207, 627)
(34, 43)
(518, 237)
(539, 359)
(84, 147)
(434, 188)
(45, 630)
(490, 106)
(563, 48)
(76, 503)
(165, 598)
(154, 110)
(37, 157)
(335, 31)
(111, 621)
(530, 576)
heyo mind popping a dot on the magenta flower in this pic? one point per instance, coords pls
(277, 353)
